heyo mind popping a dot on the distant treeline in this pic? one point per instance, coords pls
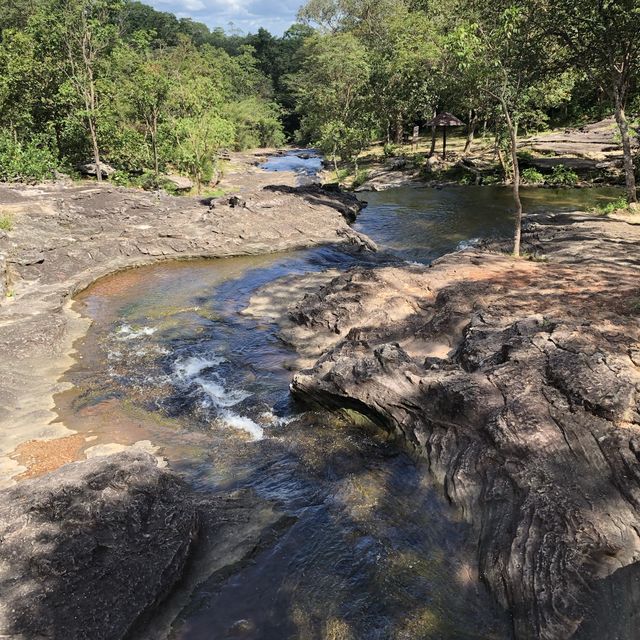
(121, 83)
(147, 92)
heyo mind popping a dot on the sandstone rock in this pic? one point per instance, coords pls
(89, 549)
(90, 169)
(180, 183)
(520, 389)
(68, 236)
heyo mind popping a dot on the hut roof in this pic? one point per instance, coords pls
(445, 119)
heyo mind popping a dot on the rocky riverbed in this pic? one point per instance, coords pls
(65, 237)
(518, 381)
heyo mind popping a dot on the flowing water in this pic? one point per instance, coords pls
(369, 549)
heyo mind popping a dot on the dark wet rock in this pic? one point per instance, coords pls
(517, 382)
(91, 548)
(114, 547)
(345, 203)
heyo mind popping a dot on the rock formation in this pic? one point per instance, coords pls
(518, 381)
(65, 237)
(90, 548)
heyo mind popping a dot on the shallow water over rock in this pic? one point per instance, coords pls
(367, 548)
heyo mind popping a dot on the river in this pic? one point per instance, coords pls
(370, 550)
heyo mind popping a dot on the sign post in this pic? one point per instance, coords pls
(414, 139)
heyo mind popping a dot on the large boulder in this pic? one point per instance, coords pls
(179, 183)
(91, 169)
(88, 550)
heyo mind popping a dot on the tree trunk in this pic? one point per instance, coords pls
(623, 125)
(444, 143)
(434, 135)
(335, 164)
(96, 149)
(154, 147)
(471, 130)
(399, 129)
(513, 136)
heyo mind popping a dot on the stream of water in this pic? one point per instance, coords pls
(171, 364)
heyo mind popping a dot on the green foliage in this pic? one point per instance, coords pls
(532, 176)
(390, 150)
(360, 178)
(562, 176)
(613, 206)
(25, 162)
(142, 90)
(6, 223)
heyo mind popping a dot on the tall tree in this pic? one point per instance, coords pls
(602, 38)
(89, 32)
(331, 90)
(511, 62)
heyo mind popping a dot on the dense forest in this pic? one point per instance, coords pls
(146, 92)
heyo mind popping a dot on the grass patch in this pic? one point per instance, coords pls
(6, 223)
(619, 204)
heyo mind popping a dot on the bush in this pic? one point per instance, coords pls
(419, 159)
(562, 176)
(532, 176)
(361, 177)
(390, 150)
(25, 162)
(613, 206)
(6, 223)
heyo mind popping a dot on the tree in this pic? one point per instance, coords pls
(89, 34)
(511, 62)
(198, 139)
(332, 97)
(150, 89)
(602, 37)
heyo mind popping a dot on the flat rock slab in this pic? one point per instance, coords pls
(519, 382)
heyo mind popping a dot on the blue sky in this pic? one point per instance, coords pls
(246, 15)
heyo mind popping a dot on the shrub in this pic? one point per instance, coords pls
(32, 161)
(419, 159)
(532, 176)
(562, 176)
(390, 150)
(613, 206)
(6, 223)
(361, 177)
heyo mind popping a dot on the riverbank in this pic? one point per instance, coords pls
(62, 238)
(517, 380)
(581, 156)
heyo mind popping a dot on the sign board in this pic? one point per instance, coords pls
(414, 139)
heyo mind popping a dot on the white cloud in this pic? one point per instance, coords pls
(246, 15)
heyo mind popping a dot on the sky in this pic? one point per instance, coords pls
(246, 15)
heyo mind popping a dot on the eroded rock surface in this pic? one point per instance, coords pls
(518, 381)
(90, 548)
(89, 551)
(65, 237)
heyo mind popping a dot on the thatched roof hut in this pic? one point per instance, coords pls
(445, 120)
